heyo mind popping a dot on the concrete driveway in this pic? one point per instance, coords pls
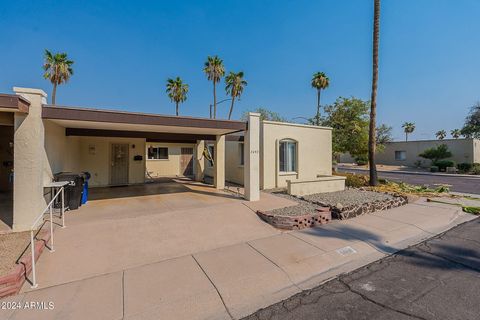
(125, 228)
(218, 261)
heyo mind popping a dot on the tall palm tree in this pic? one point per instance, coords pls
(177, 91)
(456, 133)
(441, 134)
(234, 87)
(408, 127)
(214, 70)
(320, 82)
(58, 69)
(373, 108)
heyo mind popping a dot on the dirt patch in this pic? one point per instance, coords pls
(12, 246)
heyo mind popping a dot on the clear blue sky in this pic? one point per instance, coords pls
(125, 50)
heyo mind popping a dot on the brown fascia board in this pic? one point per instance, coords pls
(14, 102)
(150, 136)
(96, 115)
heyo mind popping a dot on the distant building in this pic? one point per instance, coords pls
(406, 153)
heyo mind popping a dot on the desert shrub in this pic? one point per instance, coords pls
(361, 160)
(436, 153)
(443, 164)
(464, 167)
(433, 169)
(475, 168)
(355, 180)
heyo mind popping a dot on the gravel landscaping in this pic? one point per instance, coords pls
(12, 246)
(353, 202)
(348, 197)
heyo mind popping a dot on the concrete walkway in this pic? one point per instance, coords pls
(435, 280)
(232, 281)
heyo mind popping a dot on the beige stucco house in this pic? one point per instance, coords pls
(406, 153)
(122, 148)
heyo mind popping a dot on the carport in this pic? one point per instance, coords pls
(110, 144)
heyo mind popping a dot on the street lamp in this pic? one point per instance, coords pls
(218, 104)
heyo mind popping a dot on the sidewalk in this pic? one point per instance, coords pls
(435, 280)
(236, 280)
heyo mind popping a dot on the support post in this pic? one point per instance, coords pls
(219, 163)
(252, 158)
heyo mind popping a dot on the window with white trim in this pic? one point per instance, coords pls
(157, 153)
(288, 156)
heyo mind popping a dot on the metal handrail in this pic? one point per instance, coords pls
(32, 229)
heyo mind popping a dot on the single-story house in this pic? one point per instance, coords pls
(38, 140)
(406, 153)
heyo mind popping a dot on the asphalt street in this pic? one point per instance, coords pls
(456, 183)
(437, 279)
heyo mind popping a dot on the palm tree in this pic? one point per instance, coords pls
(373, 108)
(177, 91)
(408, 127)
(234, 87)
(456, 133)
(214, 70)
(58, 69)
(441, 134)
(320, 82)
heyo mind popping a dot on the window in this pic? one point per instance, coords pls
(401, 155)
(241, 149)
(288, 156)
(157, 153)
(211, 155)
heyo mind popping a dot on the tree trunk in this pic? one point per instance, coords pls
(231, 108)
(176, 108)
(214, 101)
(406, 136)
(54, 93)
(318, 107)
(373, 108)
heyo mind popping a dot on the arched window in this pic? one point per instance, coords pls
(288, 155)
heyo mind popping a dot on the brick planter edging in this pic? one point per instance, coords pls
(11, 283)
(351, 211)
(321, 216)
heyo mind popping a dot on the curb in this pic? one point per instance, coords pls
(11, 283)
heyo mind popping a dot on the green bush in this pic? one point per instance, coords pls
(443, 164)
(436, 153)
(361, 160)
(433, 169)
(475, 168)
(464, 167)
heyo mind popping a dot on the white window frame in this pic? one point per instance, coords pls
(158, 153)
(287, 156)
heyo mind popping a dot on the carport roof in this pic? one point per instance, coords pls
(86, 121)
(13, 103)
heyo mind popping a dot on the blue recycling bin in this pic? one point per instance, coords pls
(85, 188)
